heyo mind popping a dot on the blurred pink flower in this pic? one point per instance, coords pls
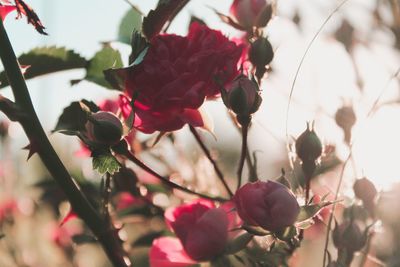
(7, 208)
(202, 228)
(168, 252)
(5, 8)
(61, 236)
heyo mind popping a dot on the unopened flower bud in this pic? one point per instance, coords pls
(104, 128)
(364, 189)
(346, 118)
(261, 52)
(308, 146)
(252, 13)
(269, 205)
(242, 96)
(348, 236)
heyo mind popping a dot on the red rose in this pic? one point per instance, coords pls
(251, 13)
(177, 75)
(201, 228)
(267, 204)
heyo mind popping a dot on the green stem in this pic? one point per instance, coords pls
(123, 151)
(245, 128)
(38, 138)
(208, 155)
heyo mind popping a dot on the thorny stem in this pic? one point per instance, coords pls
(106, 197)
(245, 129)
(213, 162)
(37, 136)
(129, 155)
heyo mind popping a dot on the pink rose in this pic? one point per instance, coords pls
(168, 252)
(201, 228)
(177, 75)
(251, 13)
(267, 204)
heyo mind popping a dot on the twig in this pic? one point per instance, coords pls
(208, 155)
(245, 129)
(35, 133)
(122, 150)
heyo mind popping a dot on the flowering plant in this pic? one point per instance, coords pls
(149, 197)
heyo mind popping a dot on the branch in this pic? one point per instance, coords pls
(33, 129)
(208, 155)
(122, 150)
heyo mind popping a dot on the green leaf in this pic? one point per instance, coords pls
(80, 239)
(309, 211)
(74, 117)
(238, 243)
(256, 230)
(156, 188)
(165, 11)
(116, 76)
(104, 163)
(138, 44)
(105, 59)
(130, 22)
(147, 239)
(286, 234)
(46, 60)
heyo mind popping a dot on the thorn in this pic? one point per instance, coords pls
(32, 149)
(70, 215)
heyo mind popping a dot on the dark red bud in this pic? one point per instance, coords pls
(365, 190)
(348, 236)
(308, 146)
(243, 96)
(261, 52)
(346, 118)
(104, 128)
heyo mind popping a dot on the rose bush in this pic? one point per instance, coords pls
(270, 205)
(177, 75)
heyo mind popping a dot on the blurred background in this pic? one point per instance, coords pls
(354, 61)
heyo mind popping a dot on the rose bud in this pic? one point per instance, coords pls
(348, 236)
(201, 228)
(346, 118)
(269, 205)
(308, 146)
(251, 13)
(104, 128)
(365, 190)
(261, 52)
(242, 96)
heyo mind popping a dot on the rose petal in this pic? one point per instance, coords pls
(168, 252)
